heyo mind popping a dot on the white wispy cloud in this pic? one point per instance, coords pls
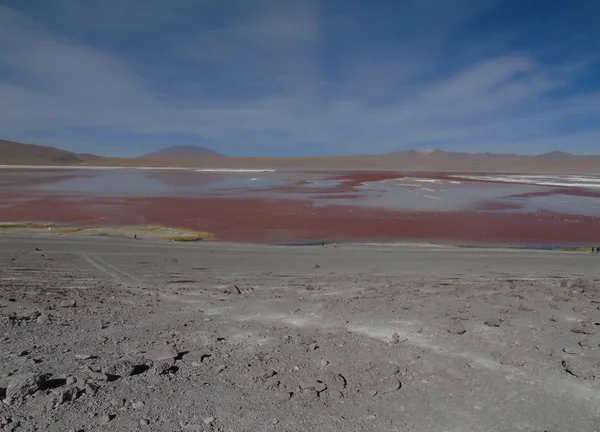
(262, 80)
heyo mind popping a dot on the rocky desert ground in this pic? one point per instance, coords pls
(118, 335)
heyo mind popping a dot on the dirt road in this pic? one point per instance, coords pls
(105, 334)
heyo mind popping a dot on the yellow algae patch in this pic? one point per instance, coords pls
(152, 232)
(15, 224)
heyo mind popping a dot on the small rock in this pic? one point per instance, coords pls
(320, 386)
(309, 394)
(493, 322)
(71, 380)
(390, 370)
(306, 340)
(373, 392)
(336, 395)
(586, 327)
(162, 368)
(391, 385)
(43, 318)
(324, 363)
(120, 368)
(395, 338)
(137, 405)
(24, 385)
(209, 420)
(572, 350)
(68, 394)
(106, 419)
(91, 388)
(580, 368)
(263, 373)
(283, 395)
(83, 356)
(457, 327)
(166, 352)
(221, 368)
(144, 422)
(271, 383)
(68, 303)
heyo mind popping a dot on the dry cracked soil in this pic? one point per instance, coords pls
(133, 336)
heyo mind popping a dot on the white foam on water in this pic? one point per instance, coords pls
(235, 170)
(541, 180)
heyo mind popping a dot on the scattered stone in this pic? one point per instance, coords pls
(324, 363)
(283, 395)
(581, 368)
(317, 266)
(103, 324)
(572, 350)
(586, 327)
(390, 370)
(320, 386)
(262, 373)
(395, 338)
(509, 358)
(71, 380)
(526, 308)
(237, 290)
(24, 385)
(493, 322)
(391, 385)
(373, 392)
(271, 383)
(306, 340)
(137, 405)
(83, 356)
(309, 394)
(106, 419)
(91, 388)
(44, 318)
(166, 352)
(457, 327)
(334, 381)
(68, 394)
(221, 368)
(209, 420)
(68, 303)
(583, 284)
(162, 368)
(144, 422)
(120, 368)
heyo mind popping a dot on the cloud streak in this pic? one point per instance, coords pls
(278, 77)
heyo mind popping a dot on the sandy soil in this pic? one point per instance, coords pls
(104, 334)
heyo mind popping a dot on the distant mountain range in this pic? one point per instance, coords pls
(14, 153)
(183, 151)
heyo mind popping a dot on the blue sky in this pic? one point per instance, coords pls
(283, 77)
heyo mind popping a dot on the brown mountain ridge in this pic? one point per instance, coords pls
(14, 153)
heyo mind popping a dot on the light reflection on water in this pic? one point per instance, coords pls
(408, 193)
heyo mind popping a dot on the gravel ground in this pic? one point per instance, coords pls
(104, 334)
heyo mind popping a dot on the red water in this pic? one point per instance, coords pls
(297, 211)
